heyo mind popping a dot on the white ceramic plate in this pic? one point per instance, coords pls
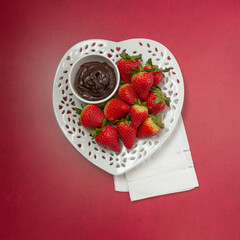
(64, 102)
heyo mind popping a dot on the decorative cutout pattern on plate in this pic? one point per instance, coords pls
(64, 102)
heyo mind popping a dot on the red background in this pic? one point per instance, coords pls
(48, 190)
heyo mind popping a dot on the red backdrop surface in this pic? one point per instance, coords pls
(48, 190)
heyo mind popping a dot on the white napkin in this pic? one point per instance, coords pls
(169, 170)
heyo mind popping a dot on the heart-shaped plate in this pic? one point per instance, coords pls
(64, 102)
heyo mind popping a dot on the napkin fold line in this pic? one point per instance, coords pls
(175, 161)
(177, 181)
(157, 174)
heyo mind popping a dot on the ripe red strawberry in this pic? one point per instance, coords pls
(127, 132)
(156, 100)
(142, 82)
(138, 113)
(156, 71)
(106, 136)
(127, 93)
(150, 127)
(116, 109)
(91, 116)
(126, 63)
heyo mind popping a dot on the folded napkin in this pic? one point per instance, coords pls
(169, 170)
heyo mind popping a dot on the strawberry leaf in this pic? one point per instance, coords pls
(150, 61)
(161, 125)
(137, 57)
(158, 99)
(155, 89)
(157, 120)
(135, 69)
(104, 122)
(78, 110)
(166, 70)
(130, 73)
(116, 122)
(94, 133)
(167, 101)
(150, 70)
(140, 67)
(126, 56)
(102, 105)
(98, 130)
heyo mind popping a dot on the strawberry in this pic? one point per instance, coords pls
(138, 113)
(106, 136)
(158, 73)
(142, 81)
(127, 132)
(156, 100)
(116, 109)
(126, 63)
(150, 127)
(127, 93)
(91, 116)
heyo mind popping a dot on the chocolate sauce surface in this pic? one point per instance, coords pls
(95, 80)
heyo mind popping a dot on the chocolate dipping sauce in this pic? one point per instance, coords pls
(95, 80)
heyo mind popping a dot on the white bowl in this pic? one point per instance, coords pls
(90, 58)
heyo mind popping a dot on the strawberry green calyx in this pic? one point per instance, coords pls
(79, 110)
(155, 67)
(98, 130)
(157, 120)
(149, 61)
(138, 102)
(102, 105)
(124, 83)
(127, 120)
(160, 97)
(135, 70)
(115, 122)
(126, 56)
